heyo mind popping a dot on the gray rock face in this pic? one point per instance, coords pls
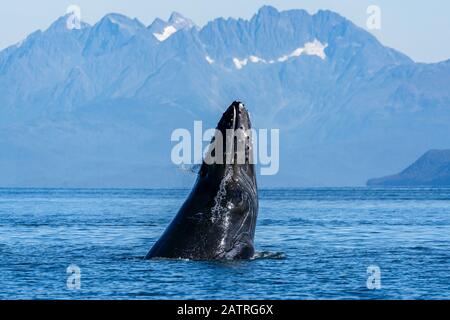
(431, 170)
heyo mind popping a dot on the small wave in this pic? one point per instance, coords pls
(268, 255)
(421, 248)
(132, 258)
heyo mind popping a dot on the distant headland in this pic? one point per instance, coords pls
(430, 170)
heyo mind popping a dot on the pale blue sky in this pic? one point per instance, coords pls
(421, 29)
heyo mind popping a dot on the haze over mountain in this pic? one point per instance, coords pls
(95, 106)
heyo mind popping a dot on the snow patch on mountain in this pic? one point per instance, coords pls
(163, 30)
(315, 48)
(239, 64)
(167, 32)
(256, 59)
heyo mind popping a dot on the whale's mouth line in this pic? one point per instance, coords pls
(234, 117)
(238, 137)
(233, 146)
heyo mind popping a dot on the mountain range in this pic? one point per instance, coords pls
(95, 106)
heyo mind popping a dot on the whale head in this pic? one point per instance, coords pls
(231, 146)
(218, 219)
(228, 169)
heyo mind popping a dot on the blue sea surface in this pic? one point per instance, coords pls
(311, 243)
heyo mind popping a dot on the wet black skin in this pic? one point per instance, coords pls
(213, 227)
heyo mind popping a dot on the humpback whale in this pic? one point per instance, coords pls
(218, 219)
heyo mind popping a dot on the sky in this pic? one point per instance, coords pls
(417, 28)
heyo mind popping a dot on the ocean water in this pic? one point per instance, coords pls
(311, 243)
